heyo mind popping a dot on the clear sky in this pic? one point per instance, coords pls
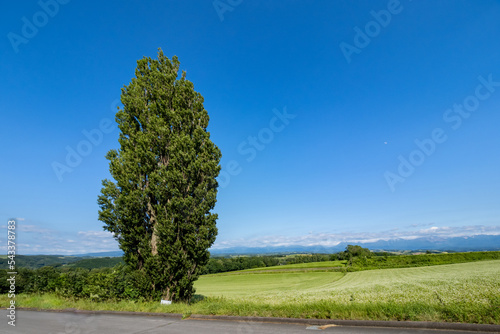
(337, 120)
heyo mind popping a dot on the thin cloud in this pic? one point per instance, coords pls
(333, 239)
(95, 234)
(33, 239)
(32, 229)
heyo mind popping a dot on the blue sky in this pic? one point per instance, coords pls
(337, 120)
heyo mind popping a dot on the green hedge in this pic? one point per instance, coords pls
(114, 283)
(405, 261)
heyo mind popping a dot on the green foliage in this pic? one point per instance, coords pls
(4, 284)
(224, 264)
(357, 251)
(119, 282)
(405, 261)
(159, 207)
(99, 262)
(221, 264)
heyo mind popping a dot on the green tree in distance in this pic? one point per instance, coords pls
(356, 250)
(159, 207)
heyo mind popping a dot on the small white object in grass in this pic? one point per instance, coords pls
(166, 302)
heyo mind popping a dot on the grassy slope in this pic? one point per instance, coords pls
(310, 265)
(259, 285)
(476, 282)
(468, 292)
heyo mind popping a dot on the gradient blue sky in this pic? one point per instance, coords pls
(322, 178)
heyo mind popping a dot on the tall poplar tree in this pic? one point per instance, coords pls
(159, 206)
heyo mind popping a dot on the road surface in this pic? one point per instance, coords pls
(31, 322)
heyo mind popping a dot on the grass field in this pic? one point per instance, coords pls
(467, 292)
(311, 265)
(259, 285)
(475, 283)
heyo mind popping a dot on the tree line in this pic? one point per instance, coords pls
(119, 282)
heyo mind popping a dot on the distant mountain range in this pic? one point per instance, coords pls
(101, 254)
(458, 244)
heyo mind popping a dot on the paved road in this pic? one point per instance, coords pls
(30, 322)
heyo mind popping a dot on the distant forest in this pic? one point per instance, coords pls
(56, 261)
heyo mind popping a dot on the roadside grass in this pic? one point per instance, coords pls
(410, 311)
(468, 292)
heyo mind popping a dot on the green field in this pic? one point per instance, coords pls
(465, 292)
(476, 283)
(310, 265)
(260, 285)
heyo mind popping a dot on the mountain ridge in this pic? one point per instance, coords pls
(455, 244)
(482, 242)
